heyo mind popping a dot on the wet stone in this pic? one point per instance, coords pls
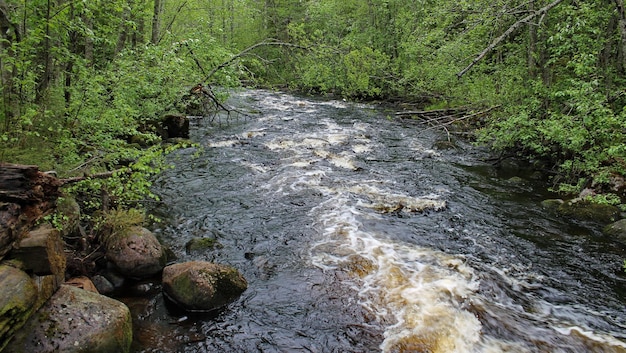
(199, 286)
(75, 320)
(136, 253)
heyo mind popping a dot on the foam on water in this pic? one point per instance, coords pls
(418, 292)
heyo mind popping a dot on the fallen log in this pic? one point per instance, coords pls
(26, 195)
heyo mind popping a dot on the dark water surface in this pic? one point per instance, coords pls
(357, 235)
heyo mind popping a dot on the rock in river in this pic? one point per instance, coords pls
(136, 253)
(202, 286)
(76, 321)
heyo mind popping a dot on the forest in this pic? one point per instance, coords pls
(84, 81)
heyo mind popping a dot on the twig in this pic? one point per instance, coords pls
(465, 117)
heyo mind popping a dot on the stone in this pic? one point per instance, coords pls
(552, 204)
(590, 211)
(76, 321)
(196, 245)
(136, 253)
(83, 283)
(202, 286)
(18, 296)
(41, 251)
(102, 284)
(616, 230)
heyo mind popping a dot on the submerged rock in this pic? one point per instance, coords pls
(76, 321)
(136, 253)
(202, 286)
(196, 245)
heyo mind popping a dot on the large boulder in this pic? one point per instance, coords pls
(136, 253)
(18, 296)
(76, 321)
(202, 286)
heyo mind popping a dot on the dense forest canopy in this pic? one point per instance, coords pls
(81, 80)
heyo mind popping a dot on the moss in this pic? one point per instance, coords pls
(585, 210)
(119, 222)
(201, 244)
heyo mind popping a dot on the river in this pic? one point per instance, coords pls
(357, 234)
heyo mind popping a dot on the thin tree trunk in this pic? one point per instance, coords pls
(532, 44)
(44, 81)
(156, 21)
(88, 40)
(621, 11)
(123, 35)
(7, 71)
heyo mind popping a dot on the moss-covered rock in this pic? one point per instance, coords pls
(584, 210)
(552, 204)
(197, 245)
(202, 286)
(76, 321)
(617, 230)
(18, 295)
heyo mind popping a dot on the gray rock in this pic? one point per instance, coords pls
(137, 253)
(103, 285)
(202, 286)
(76, 321)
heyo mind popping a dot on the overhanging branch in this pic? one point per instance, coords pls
(247, 50)
(507, 33)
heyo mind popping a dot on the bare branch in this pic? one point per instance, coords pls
(250, 48)
(103, 175)
(507, 33)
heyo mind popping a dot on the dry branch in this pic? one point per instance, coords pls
(464, 117)
(507, 33)
(247, 50)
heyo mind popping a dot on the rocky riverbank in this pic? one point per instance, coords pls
(51, 288)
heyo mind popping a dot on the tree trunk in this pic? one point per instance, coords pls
(532, 44)
(156, 21)
(44, 80)
(88, 40)
(10, 33)
(123, 35)
(621, 12)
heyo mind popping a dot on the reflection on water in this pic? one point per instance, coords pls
(355, 235)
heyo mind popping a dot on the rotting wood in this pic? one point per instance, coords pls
(26, 195)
